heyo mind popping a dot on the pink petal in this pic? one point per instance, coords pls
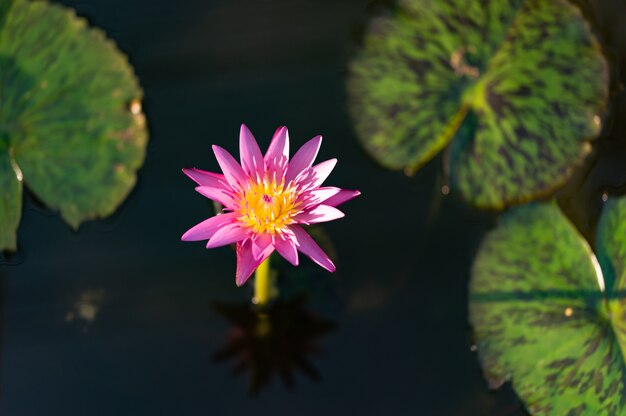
(206, 229)
(228, 234)
(287, 248)
(277, 156)
(260, 244)
(307, 246)
(343, 196)
(204, 178)
(317, 196)
(219, 195)
(312, 178)
(303, 158)
(250, 154)
(279, 146)
(323, 170)
(232, 171)
(321, 213)
(246, 263)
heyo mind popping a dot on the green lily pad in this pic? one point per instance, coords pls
(70, 114)
(517, 88)
(542, 316)
(10, 201)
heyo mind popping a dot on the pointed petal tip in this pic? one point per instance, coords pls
(344, 195)
(309, 247)
(226, 235)
(206, 178)
(239, 281)
(303, 158)
(188, 172)
(216, 149)
(219, 150)
(328, 265)
(278, 150)
(244, 131)
(207, 228)
(281, 131)
(186, 236)
(321, 213)
(232, 170)
(326, 166)
(318, 140)
(217, 195)
(249, 152)
(286, 247)
(246, 264)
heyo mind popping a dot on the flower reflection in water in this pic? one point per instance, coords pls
(85, 309)
(279, 340)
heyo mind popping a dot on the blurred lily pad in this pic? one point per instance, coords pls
(10, 200)
(516, 87)
(71, 125)
(548, 316)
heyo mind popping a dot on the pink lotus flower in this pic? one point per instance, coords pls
(266, 199)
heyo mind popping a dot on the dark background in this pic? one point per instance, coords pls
(401, 343)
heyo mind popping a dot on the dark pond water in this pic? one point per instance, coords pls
(121, 318)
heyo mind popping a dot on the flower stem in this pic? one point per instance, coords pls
(263, 284)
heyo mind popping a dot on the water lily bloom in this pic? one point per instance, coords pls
(266, 201)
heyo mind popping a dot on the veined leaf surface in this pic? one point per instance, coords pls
(70, 112)
(547, 316)
(516, 87)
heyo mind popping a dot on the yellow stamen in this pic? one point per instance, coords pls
(267, 206)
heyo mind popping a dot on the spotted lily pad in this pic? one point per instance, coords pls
(550, 317)
(517, 89)
(71, 126)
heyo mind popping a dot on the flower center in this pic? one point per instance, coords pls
(267, 206)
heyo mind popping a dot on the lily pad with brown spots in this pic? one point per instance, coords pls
(515, 88)
(70, 116)
(548, 316)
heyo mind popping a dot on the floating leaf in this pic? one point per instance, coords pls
(542, 317)
(10, 201)
(70, 113)
(516, 87)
